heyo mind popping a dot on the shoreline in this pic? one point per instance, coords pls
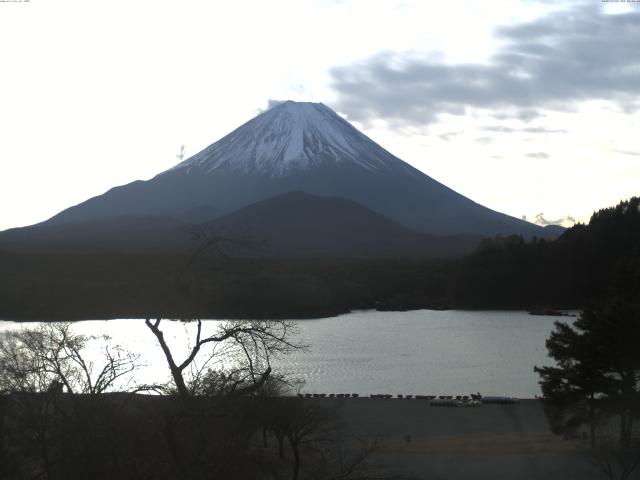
(564, 313)
(486, 442)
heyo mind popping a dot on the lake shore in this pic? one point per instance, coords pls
(490, 441)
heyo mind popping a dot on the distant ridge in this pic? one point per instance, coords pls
(297, 224)
(294, 224)
(128, 233)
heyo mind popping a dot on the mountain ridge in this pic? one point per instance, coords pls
(294, 224)
(298, 224)
(300, 147)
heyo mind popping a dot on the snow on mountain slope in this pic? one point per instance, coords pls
(290, 137)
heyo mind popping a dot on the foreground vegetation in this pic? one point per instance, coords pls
(67, 415)
(68, 412)
(596, 383)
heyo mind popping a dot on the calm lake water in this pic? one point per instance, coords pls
(419, 352)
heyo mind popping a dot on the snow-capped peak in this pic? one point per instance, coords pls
(289, 137)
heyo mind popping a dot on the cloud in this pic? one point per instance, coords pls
(274, 103)
(552, 63)
(540, 155)
(500, 129)
(627, 152)
(543, 130)
(484, 140)
(270, 104)
(446, 136)
(503, 129)
(540, 220)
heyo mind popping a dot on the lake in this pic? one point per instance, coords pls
(419, 352)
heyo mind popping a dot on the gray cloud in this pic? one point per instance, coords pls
(503, 129)
(541, 220)
(543, 130)
(270, 104)
(274, 103)
(540, 155)
(524, 114)
(500, 129)
(553, 63)
(484, 140)
(446, 136)
(627, 152)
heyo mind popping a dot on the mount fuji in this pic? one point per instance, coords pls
(292, 147)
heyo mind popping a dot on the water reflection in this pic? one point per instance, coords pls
(419, 352)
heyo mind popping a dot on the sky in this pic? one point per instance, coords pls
(531, 108)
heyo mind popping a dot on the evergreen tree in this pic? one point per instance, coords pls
(597, 372)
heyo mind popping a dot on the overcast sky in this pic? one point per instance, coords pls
(525, 107)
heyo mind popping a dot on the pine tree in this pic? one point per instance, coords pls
(597, 372)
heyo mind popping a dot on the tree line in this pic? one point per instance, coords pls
(584, 263)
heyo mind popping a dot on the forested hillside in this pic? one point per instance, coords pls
(583, 263)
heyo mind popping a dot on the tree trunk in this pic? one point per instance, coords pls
(170, 438)
(592, 422)
(44, 451)
(181, 386)
(280, 446)
(176, 372)
(3, 453)
(296, 460)
(626, 401)
(628, 430)
(625, 437)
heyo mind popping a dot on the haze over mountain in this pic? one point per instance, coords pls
(299, 147)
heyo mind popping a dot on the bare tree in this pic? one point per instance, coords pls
(311, 425)
(33, 359)
(246, 347)
(312, 430)
(212, 242)
(616, 460)
(340, 463)
(35, 365)
(272, 414)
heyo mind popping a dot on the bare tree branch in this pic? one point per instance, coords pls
(256, 341)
